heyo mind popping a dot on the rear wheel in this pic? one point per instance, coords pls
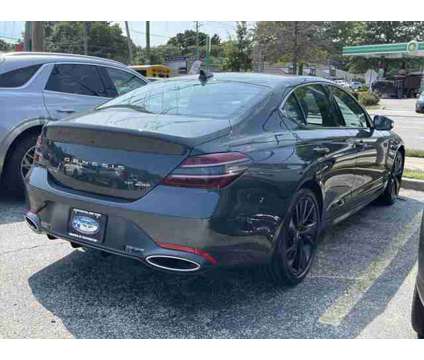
(296, 242)
(19, 163)
(418, 315)
(391, 192)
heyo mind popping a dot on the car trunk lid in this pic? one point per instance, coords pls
(117, 156)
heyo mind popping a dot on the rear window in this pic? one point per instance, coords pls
(215, 99)
(18, 77)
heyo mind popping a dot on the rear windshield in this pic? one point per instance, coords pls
(215, 99)
(18, 77)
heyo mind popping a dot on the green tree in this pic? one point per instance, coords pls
(295, 41)
(186, 41)
(238, 52)
(379, 32)
(4, 46)
(104, 39)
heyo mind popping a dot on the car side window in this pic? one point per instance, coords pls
(353, 115)
(124, 81)
(292, 110)
(76, 79)
(18, 77)
(316, 107)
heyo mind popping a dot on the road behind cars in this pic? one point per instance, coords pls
(408, 124)
(360, 286)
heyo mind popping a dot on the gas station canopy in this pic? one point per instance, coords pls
(391, 51)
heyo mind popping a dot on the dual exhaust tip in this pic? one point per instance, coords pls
(164, 262)
(172, 263)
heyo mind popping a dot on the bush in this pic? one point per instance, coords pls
(368, 98)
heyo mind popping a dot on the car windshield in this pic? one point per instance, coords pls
(214, 99)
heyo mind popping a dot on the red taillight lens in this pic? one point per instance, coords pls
(189, 249)
(208, 171)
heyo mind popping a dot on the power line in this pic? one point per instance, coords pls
(144, 33)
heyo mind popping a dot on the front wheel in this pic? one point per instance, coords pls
(297, 239)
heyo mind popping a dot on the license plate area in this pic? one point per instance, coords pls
(87, 225)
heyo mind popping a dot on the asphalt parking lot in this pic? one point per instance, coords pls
(360, 286)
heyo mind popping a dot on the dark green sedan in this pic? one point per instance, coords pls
(195, 173)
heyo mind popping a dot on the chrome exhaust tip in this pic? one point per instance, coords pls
(172, 263)
(33, 221)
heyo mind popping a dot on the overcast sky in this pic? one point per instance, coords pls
(160, 31)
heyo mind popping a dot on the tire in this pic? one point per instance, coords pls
(417, 316)
(14, 181)
(391, 192)
(296, 241)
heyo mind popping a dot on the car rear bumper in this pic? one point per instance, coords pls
(169, 221)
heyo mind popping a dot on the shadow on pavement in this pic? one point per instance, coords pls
(11, 208)
(114, 297)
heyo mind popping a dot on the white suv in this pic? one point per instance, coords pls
(40, 87)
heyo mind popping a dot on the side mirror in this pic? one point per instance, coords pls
(382, 123)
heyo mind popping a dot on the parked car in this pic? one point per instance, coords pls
(419, 105)
(223, 170)
(38, 87)
(342, 83)
(418, 300)
(356, 85)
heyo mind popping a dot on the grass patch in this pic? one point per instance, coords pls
(415, 153)
(413, 174)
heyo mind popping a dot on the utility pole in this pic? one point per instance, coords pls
(130, 50)
(27, 36)
(208, 51)
(37, 36)
(197, 41)
(85, 36)
(148, 42)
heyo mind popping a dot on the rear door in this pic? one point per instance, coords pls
(73, 88)
(369, 146)
(323, 144)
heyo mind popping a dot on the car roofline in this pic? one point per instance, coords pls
(74, 56)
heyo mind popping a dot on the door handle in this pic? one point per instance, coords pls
(65, 111)
(321, 150)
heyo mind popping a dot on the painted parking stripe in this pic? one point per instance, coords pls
(345, 303)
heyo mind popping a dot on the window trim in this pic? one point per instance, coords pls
(325, 85)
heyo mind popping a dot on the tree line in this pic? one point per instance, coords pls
(275, 42)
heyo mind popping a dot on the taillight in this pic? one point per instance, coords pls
(208, 171)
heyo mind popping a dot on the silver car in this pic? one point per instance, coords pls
(40, 87)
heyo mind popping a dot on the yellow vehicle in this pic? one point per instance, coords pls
(155, 71)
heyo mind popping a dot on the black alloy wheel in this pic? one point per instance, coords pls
(296, 242)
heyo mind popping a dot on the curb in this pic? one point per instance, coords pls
(412, 184)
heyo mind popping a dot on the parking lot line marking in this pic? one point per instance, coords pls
(345, 303)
